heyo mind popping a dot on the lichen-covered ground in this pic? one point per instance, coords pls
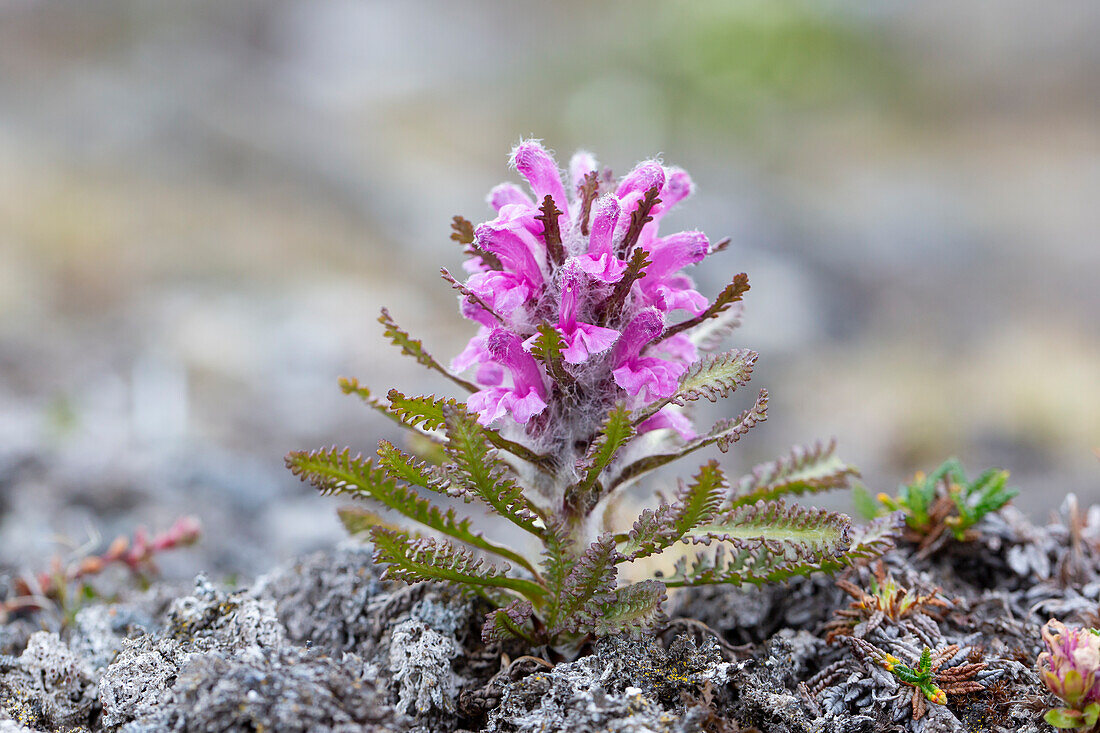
(321, 644)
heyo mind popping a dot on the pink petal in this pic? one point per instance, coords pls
(645, 176)
(587, 340)
(671, 299)
(490, 373)
(597, 339)
(489, 404)
(672, 420)
(675, 252)
(650, 377)
(536, 164)
(607, 268)
(605, 215)
(525, 407)
(509, 239)
(506, 194)
(475, 352)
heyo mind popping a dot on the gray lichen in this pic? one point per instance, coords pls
(627, 686)
(420, 660)
(52, 687)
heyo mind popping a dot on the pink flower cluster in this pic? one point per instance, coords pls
(576, 277)
(1069, 668)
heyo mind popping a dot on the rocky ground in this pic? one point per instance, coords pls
(322, 644)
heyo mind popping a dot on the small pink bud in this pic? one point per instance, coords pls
(1069, 666)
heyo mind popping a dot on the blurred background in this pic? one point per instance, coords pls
(204, 204)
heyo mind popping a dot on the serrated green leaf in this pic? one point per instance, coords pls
(591, 578)
(511, 622)
(426, 559)
(788, 529)
(695, 504)
(868, 541)
(556, 558)
(767, 542)
(482, 473)
(633, 608)
(403, 467)
(427, 413)
(804, 471)
(414, 348)
(617, 430)
(338, 472)
(419, 411)
(710, 378)
(547, 348)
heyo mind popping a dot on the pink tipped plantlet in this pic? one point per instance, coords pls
(1069, 668)
(592, 343)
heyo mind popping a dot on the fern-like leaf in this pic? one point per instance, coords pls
(462, 231)
(551, 233)
(695, 504)
(765, 543)
(414, 348)
(711, 378)
(427, 413)
(422, 412)
(512, 621)
(868, 541)
(402, 466)
(805, 470)
(617, 430)
(731, 294)
(336, 471)
(722, 434)
(638, 219)
(426, 559)
(556, 558)
(633, 608)
(352, 387)
(789, 530)
(587, 586)
(483, 474)
(547, 348)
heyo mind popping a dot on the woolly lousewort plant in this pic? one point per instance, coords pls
(591, 343)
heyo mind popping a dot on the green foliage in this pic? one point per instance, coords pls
(617, 430)
(577, 583)
(547, 348)
(945, 500)
(713, 377)
(1082, 720)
